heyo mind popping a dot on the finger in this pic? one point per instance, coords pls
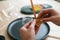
(36, 30)
(45, 11)
(48, 19)
(41, 13)
(32, 26)
(22, 29)
(27, 24)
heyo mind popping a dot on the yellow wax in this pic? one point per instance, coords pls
(37, 7)
(38, 22)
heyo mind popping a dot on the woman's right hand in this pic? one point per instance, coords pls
(53, 16)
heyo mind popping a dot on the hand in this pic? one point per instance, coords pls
(53, 16)
(27, 32)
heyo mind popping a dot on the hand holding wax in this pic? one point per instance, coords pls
(45, 15)
(38, 22)
(27, 32)
(49, 15)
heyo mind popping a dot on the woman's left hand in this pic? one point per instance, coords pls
(27, 32)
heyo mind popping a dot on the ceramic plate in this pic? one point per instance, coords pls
(27, 9)
(14, 26)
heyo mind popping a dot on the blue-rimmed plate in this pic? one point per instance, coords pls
(14, 26)
(27, 9)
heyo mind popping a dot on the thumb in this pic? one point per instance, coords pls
(32, 26)
(48, 19)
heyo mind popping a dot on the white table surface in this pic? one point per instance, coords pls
(54, 29)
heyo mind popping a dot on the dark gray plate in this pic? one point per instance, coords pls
(14, 26)
(2, 37)
(28, 10)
